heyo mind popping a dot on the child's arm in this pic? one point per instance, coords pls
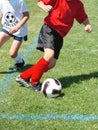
(44, 7)
(87, 24)
(21, 23)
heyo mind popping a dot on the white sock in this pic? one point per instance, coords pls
(18, 59)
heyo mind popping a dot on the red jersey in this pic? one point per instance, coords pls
(64, 12)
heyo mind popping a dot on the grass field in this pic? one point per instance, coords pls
(77, 69)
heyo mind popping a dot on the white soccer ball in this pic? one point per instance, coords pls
(51, 87)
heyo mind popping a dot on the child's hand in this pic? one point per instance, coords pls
(13, 30)
(88, 28)
(47, 8)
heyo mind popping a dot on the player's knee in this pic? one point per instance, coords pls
(49, 54)
(12, 54)
(52, 64)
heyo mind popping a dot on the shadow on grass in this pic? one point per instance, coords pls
(27, 66)
(10, 71)
(67, 81)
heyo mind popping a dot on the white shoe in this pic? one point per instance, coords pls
(23, 82)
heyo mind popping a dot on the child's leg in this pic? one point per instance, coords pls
(19, 61)
(38, 70)
(3, 38)
(29, 72)
(14, 51)
(43, 65)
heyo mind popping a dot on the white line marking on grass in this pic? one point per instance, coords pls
(83, 50)
(51, 117)
(94, 50)
(2, 51)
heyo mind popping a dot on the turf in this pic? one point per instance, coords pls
(77, 70)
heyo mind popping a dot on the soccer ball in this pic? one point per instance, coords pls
(51, 87)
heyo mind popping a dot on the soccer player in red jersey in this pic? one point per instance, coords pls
(57, 24)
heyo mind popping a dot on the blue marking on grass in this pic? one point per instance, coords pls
(9, 77)
(51, 117)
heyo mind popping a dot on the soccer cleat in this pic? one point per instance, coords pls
(36, 87)
(23, 82)
(18, 66)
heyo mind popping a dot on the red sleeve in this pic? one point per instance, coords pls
(45, 1)
(42, 0)
(48, 2)
(81, 14)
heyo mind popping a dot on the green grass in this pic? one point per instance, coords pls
(76, 69)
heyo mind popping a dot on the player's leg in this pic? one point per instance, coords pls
(19, 62)
(52, 63)
(48, 57)
(3, 38)
(50, 42)
(35, 72)
(43, 65)
(52, 45)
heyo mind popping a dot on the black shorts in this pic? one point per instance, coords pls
(49, 38)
